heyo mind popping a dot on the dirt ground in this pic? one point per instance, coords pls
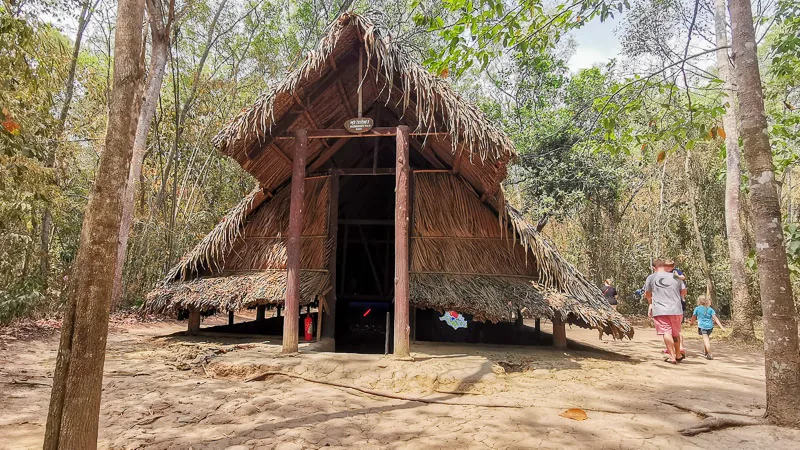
(164, 390)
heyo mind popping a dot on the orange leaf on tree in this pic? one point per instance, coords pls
(11, 126)
(662, 155)
(721, 132)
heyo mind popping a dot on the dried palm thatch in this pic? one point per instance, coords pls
(256, 219)
(553, 271)
(490, 268)
(208, 254)
(432, 96)
(235, 292)
(248, 247)
(496, 298)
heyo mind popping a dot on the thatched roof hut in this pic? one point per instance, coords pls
(468, 250)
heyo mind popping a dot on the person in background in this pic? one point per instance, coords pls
(610, 293)
(663, 293)
(705, 316)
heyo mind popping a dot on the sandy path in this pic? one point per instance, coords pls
(164, 391)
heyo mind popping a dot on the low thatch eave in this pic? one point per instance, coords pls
(498, 298)
(234, 292)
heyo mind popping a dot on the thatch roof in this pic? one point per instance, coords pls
(235, 292)
(498, 298)
(317, 94)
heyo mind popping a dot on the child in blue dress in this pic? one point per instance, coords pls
(706, 317)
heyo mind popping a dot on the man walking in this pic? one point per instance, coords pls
(664, 292)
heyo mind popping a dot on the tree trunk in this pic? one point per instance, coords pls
(182, 112)
(50, 159)
(781, 353)
(698, 236)
(742, 307)
(72, 420)
(657, 247)
(158, 61)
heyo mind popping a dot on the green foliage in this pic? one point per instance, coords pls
(476, 32)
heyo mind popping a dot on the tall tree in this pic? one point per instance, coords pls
(87, 9)
(72, 420)
(160, 24)
(781, 352)
(741, 304)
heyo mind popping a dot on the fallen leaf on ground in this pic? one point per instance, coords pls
(574, 414)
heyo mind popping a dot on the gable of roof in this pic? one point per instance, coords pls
(319, 94)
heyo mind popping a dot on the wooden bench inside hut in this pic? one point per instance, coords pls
(379, 209)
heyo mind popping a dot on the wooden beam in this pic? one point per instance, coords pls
(288, 119)
(429, 155)
(261, 313)
(457, 163)
(307, 115)
(326, 154)
(277, 129)
(559, 332)
(364, 171)
(230, 317)
(329, 312)
(292, 314)
(342, 133)
(194, 320)
(280, 153)
(366, 222)
(343, 97)
(401, 231)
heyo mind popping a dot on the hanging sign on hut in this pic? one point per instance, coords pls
(454, 319)
(359, 125)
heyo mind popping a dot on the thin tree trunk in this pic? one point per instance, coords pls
(72, 420)
(660, 209)
(69, 89)
(781, 352)
(698, 236)
(158, 60)
(182, 112)
(742, 307)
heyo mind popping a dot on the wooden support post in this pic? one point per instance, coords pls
(230, 317)
(292, 314)
(319, 321)
(388, 332)
(401, 229)
(538, 328)
(414, 326)
(194, 320)
(333, 231)
(559, 332)
(261, 313)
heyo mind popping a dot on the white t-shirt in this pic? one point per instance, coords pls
(666, 291)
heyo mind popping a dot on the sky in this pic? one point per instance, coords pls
(596, 43)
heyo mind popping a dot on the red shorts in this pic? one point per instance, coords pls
(668, 324)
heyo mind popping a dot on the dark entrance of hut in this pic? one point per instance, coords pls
(365, 262)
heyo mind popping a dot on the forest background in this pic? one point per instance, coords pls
(619, 163)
